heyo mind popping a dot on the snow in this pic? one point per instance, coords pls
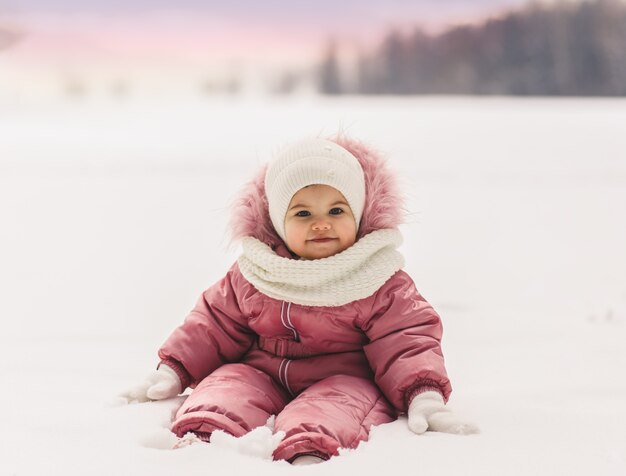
(113, 221)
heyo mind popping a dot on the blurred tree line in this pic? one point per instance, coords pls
(8, 36)
(559, 49)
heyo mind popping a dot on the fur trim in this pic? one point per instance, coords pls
(250, 214)
(383, 201)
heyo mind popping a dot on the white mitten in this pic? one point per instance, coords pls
(427, 411)
(159, 385)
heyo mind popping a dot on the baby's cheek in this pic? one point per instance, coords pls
(293, 238)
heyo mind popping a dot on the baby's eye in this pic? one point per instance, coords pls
(302, 213)
(336, 211)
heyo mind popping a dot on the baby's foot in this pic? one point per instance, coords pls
(307, 459)
(187, 440)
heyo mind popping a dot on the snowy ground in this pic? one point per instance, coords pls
(112, 222)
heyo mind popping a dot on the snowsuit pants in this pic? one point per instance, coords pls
(333, 413)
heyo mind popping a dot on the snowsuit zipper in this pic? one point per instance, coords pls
(287, 322)
(282, 374)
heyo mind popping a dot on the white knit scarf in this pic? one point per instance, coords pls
(355, 273)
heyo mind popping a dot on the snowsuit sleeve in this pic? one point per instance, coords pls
(404, 349)
(214, 333)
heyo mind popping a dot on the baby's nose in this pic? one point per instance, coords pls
(321, 225)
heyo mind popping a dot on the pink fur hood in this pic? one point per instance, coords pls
(383, 201)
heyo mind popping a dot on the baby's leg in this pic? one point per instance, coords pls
(235, 398)
(336, 412)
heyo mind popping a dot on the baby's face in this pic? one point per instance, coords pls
(319, 223)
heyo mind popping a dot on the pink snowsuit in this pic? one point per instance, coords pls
(328, 373)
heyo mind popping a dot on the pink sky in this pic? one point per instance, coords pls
(197, 38)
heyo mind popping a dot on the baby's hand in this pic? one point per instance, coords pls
(427, 411)
(159, 385)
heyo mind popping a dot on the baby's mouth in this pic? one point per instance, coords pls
(322, 240)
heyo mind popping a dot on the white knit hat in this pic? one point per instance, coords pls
(308, 162)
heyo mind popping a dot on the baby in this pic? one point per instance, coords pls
(316, 322)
